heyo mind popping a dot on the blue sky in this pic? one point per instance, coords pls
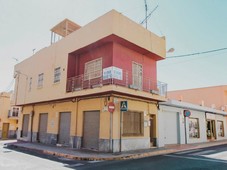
(189, 26)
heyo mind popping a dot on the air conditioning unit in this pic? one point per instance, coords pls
(154, 92)
(131, 86)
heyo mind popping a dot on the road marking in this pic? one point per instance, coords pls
(91, 162)
(75, 165)
(198, 159)
(64, 159)
(195, 150)
(203, 152)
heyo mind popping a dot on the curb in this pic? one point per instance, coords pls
(120, 157)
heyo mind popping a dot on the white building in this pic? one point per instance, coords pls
(203, 124)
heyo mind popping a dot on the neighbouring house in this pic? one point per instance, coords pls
(8, 116)
(184, 123)
(214, 96)
(96, 88)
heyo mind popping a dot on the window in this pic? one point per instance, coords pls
(193, 128)
(30, 84)
(40, 80)
(137, 75)
(15, 112)
(57, 74)
(220, 128)
(133, 123)
(93, 69)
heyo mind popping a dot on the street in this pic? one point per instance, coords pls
(212, 158)
(20, 159)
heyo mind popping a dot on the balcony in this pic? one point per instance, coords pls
(124, 79)
(13, 113)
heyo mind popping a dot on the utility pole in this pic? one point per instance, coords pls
(145, 3)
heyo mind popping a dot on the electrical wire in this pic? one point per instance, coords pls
(8, 88)
(198, 53)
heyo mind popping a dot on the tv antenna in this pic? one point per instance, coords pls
(149, 15)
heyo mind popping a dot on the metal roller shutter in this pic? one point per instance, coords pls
(43, 127)
(91, 130)
(64, 128)
(25, 125)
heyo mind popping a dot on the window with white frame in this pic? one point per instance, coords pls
(137, 75)
(193, 127)
(40, 80)
(93, 69)
(220, 128)
(57, 74)
(30, 84)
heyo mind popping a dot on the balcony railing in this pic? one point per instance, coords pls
(13, 113)
(126, 79)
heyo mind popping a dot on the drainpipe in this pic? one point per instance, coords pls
(32, 116)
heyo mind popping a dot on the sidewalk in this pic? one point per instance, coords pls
(80, 154)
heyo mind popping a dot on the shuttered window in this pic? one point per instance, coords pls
(137, 75)
(57, 74)
(93, 69)
(40, 80)
(132, 123)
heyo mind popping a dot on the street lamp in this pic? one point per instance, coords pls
(171, 50)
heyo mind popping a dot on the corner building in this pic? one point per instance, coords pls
(65, 90)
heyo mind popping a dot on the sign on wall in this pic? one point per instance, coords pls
(124, 106)
(112, 72)
(187, 113)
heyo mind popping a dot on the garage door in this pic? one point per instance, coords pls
(170, 124)
(64, 128)
(25, 125)
(91, 130)
(43, 118)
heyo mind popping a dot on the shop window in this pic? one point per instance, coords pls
(57, 74)
(93, 69)
(132, 123)
(220, 128)
(193, 128)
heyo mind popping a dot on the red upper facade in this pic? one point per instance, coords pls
(137, 66)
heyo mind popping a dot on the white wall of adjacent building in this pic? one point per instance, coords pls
(173, 124)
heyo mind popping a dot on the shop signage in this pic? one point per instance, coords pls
(112, 72)
(111, 107)
(124, 106)
(187, 113)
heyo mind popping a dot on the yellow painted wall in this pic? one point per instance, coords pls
(95, 104)
(5, 106)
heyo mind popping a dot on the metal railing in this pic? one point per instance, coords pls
(127, 79)
(13, 114)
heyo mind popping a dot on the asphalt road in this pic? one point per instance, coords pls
(212, 158)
